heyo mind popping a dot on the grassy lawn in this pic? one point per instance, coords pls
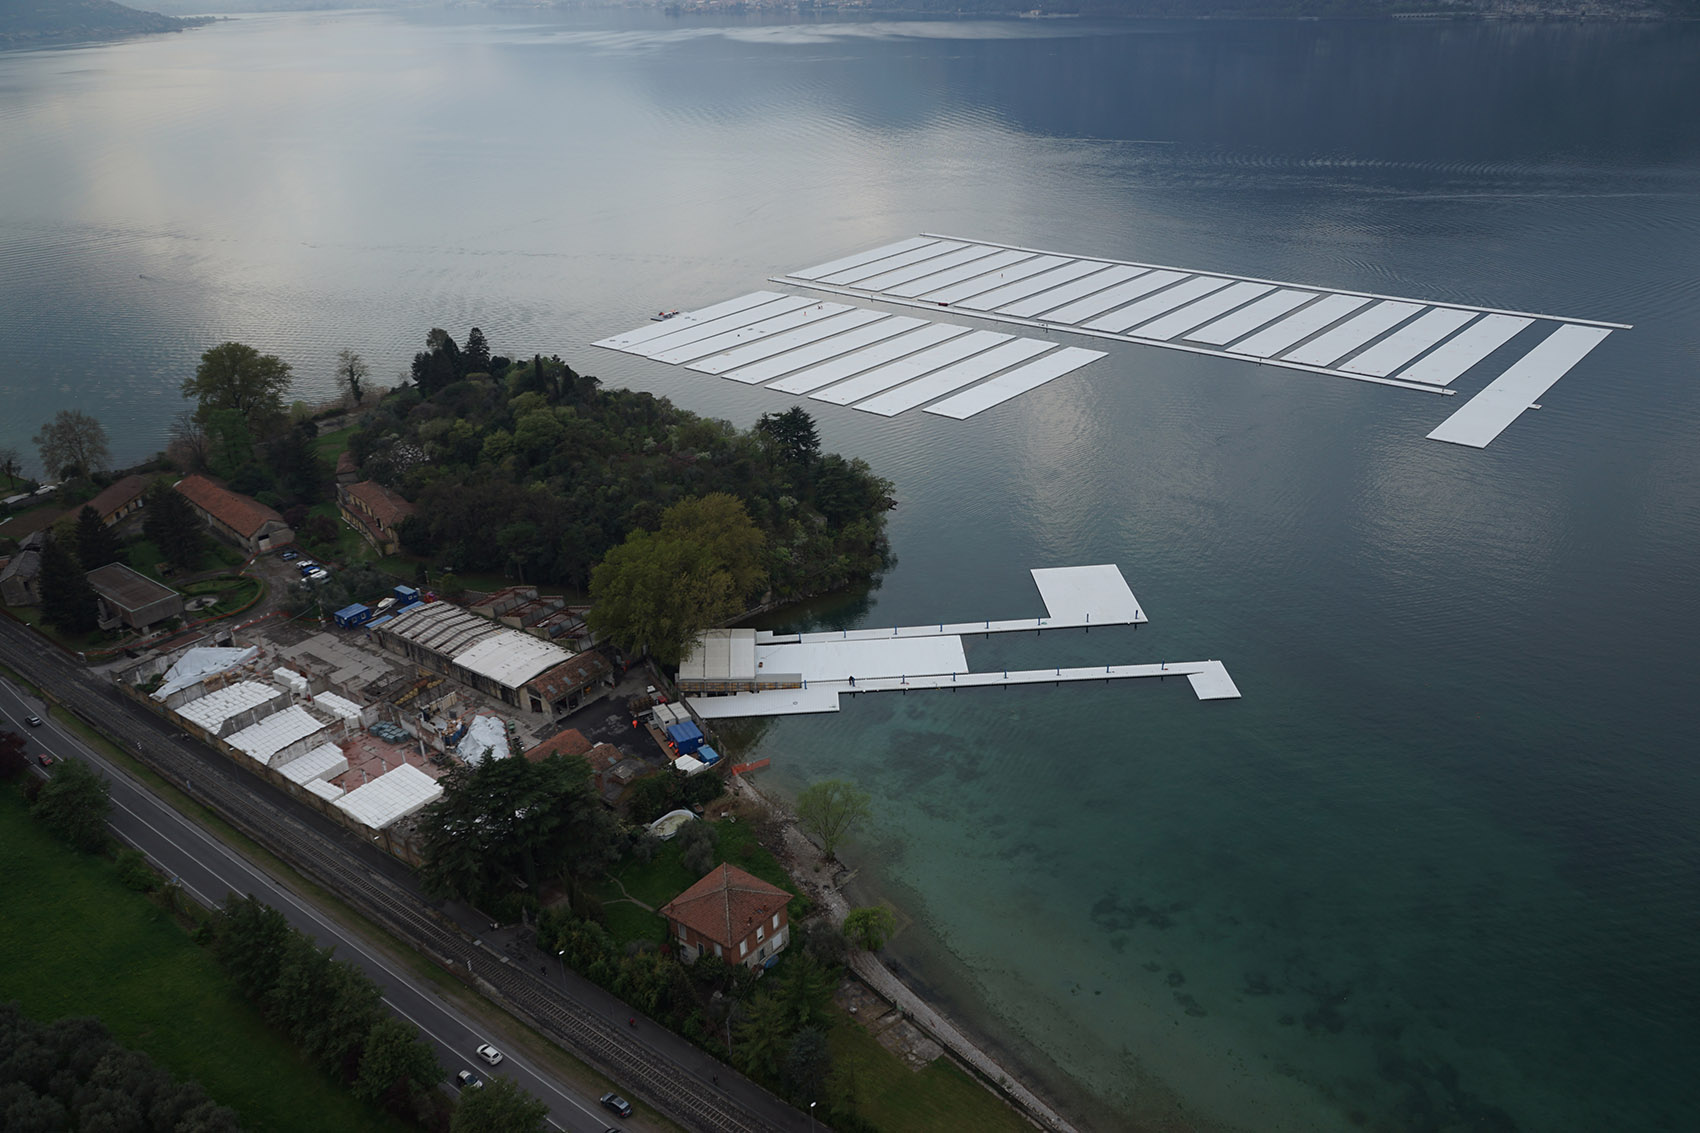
(349, 546)
(145, 557)
(665, 876)
(234, 592)
(329, 446)
(77, 942)
(895, 1099)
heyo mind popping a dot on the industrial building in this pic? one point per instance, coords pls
(132, 599)
(724, 660)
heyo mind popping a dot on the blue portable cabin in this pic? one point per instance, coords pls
(350, 617)
(405, 596)
(686, 737)
(708, 755)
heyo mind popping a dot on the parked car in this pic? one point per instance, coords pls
(489, 1053)
(44, 759)
(290, 556)
(618, 1104)
(306, 566)
(467, 1080)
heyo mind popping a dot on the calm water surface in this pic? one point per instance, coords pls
(1438, 868)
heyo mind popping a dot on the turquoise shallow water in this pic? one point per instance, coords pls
(1437, 869)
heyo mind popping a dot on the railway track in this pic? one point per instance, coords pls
(578, 1027)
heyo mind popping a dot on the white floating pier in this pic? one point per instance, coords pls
(952, 378)
(836, 370)
(1482, 418)
(1014, 383)
(889, 327)
(914, 658)
(908, 369)
(1444, 365)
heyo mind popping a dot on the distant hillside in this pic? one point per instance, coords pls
(27, 22)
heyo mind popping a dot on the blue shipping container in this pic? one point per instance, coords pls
(708, 755)
(687, 737)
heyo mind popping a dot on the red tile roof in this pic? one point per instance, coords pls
(241, 514)
(382, 504)
(117, 495)
(581, 670)
(569, 742)
(727, 905)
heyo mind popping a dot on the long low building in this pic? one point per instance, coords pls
(522, 670)
(724, 660)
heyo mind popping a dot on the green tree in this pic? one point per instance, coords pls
(235, 376)
(251, 940)
(10, 466)
(830, 809)
(68, 602)
(764, 1036)
(511, 821)
(439, 365)
(792, 434)
(73, 444)
(327, 1007)
(500, 1107)
(657, 592)
(73, 804)
(171, 521)
(475, 355)
(396, 1064)
(868, 928)
(805, 991)
(230, 442)
(97, 544)
(351, 374)
(14, 758)
(807, 1063)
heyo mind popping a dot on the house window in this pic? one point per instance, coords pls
(682, 935)
(743, 948)
(717, 952)
(761, 932)
(776, 922)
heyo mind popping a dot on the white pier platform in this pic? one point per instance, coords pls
(1488, 414)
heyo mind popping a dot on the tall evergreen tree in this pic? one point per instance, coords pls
(174, 526)
(97, 544)
(475, 355)
(68, 602)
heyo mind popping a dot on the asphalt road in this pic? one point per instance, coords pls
(207, 869)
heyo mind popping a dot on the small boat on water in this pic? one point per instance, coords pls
(662, 316)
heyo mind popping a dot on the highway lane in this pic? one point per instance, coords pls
(208, 869)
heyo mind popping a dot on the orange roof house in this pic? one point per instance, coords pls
(375, 512)
(119, 499)
(569, 741)
(234, 517)
(737, 916)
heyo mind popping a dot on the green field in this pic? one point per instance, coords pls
(76, 942)
(895, 1099)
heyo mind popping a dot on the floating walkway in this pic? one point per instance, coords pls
(1411, 343)
(930, 657)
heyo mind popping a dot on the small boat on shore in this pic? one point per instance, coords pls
(662, 316)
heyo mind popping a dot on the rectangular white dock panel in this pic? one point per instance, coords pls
(1202, 311)
(688, 318)
(1085, 308)
(790, 340)
(813, 378)
(942, 279)
(1015, 383)
(994, 279)
(872, 268)
(1271, 341)
(779, 324)
(1149, 308)
(1333, 345)
(891, 279)
(952, 378)
(1471, 346)
(780, 306)
(1093, 595)
(1079, 289)
(991, 300)
(908, 369)
(1212, 682)
(819, 352)
(771, 702)
(867, 257)
(1242, 322)
(1408, 341)
(1482, 418)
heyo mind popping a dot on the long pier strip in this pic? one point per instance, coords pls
(831, 663)
(1362, 336)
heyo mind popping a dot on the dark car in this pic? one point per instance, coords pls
(467, 1080)
(44, 759)
(33, 721)
(618, 1104)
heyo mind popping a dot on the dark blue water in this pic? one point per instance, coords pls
(1438, 868)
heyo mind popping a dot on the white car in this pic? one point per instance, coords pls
(319, 574)
(489, 1053)
(469, 1081)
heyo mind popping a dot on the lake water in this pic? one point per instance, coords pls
(1439, 868)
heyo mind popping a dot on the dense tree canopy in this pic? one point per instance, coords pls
(537, 471)
(656, 591)
(235, 376)
(500, 1107)
(351, 374)
(72, 444)
(172, 523)
(69, 1074)
(73, 804)
(97, 544)
(511, 821)
(68, 602)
